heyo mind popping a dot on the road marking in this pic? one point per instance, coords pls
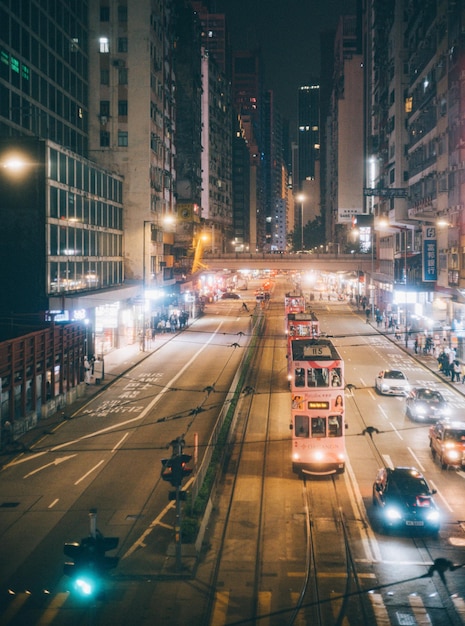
(52, 610)
(379, 609)
(264, 607)
(52, 504)
(139, 417)
(396, 431)
(459, 606)
(89, 472)
(13, 608)
(55, 462)
(446, 504)
(120, 442)
(220, 608)
(421, 616)
(370, 545)
(388, 461)
(417, 460)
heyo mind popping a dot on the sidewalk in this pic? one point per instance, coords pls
(427, 360)
(116, 364)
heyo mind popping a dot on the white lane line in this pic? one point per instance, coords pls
(120, 443)
(139, 417)
(396, 431)
(417, 460)
(438, 493)
(89, 472)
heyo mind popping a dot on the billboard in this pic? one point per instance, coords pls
(430, 254)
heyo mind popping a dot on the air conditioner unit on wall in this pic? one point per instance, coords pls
(103, 120)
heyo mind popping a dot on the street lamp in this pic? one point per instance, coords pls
(301, 199)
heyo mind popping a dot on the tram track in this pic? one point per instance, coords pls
(323, 510)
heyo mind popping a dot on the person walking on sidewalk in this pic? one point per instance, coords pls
(456, 371)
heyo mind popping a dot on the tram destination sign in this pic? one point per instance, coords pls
(317, 351)
(388, 192)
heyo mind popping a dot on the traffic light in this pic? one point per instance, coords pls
(89, 562)
(175, 469)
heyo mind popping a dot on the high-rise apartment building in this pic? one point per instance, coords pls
(132, 125)
(308, 111)
(344, 134)
(247, 96)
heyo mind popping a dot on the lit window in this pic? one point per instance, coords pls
(104, 45)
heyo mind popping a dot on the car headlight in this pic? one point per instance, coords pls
(453, 454)
(433, 516)
(420, 410)
(392, 513)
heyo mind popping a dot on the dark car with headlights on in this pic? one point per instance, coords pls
(403, 499)
(426, 405)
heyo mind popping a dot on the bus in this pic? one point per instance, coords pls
(317, 408)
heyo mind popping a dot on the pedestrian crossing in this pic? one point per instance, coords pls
(61, 608)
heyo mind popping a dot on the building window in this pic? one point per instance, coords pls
(104, 139)
(122, 44)
(123, 76)
(104, 45)
(122, 138)
(105, 108)
(122, 13)
(123, 108)
(104, 14)
(104, 77)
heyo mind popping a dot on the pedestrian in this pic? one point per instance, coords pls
(7, 432)
(87, 371)
(456, 371)
(462, 372)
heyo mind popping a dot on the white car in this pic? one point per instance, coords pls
(392, 382)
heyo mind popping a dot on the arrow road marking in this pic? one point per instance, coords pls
(55, 462)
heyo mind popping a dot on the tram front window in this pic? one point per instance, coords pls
(334, 426)
(299, 377)
(318, 427)
(301, 426)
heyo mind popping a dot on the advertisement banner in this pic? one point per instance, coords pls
(430, 254)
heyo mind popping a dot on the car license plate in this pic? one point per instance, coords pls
(414, 523)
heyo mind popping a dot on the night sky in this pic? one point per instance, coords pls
(288, 32)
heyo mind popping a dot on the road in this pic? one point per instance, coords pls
(253, 563)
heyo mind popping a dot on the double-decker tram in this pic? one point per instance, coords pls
(300, 326)
(294, 302)
(316, 376)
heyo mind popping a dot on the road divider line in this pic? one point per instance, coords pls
(89, 472)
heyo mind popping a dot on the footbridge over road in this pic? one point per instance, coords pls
(297, 262)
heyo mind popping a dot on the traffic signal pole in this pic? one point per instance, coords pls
(177, 531)
(174, 470)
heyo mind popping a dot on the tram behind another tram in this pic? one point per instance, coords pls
(316, 376)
